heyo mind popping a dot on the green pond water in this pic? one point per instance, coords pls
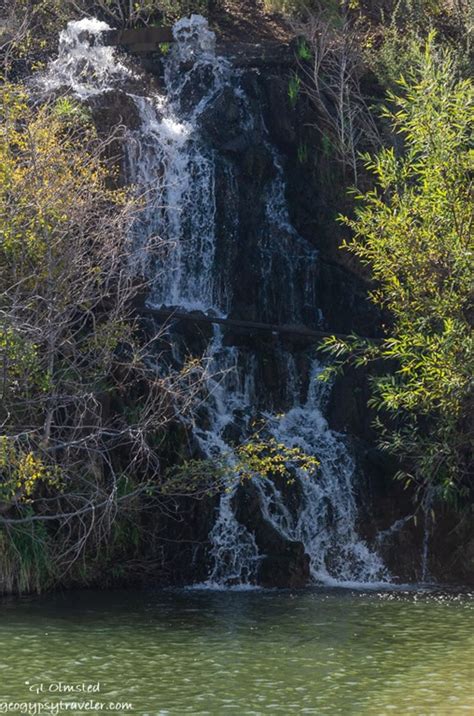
(251, 652)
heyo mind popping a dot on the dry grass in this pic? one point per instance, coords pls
(249, 21)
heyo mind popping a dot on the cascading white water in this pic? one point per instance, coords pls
(174, 169)
(326, 520)
(234, 553)
(283, 241)
(175, 174)
(84, 64)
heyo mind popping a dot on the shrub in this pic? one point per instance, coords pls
(74, 356)
(414, 232)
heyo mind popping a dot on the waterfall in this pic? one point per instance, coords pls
(176, 169)
(84, 64)
(326, 521)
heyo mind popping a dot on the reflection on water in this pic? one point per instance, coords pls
(255, 652)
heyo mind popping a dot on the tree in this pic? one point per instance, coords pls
(414, 232)
(331, 67)
(84, 408)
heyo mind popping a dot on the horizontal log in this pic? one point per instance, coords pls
(247, 326)
(147, 40)
(147, 36)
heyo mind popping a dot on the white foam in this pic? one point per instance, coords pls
(84, 64)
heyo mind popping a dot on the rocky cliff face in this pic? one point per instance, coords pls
(237, 181)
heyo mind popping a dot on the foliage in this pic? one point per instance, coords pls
(31, 29)
(396, 55)
(331, 68)
(414, 231)
(23, 472)
(295, 8)
(303, 51)
(405, 27)
(294, 84)
(289, 7)
(75, 360)
(258, 456)
(26, 563)
(268, 458)
(302, 153)
(172, 10)
(123, 13)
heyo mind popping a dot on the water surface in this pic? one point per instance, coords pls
(255, 652)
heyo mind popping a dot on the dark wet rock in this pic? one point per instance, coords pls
(284, 562)
(258, 55)
(257, 167)
(285, 569)
(220, 122)
(234, 432)
(198, 82)
(315, 192)
(280, 116)
(114, 108)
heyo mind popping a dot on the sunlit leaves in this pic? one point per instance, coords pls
(261, 456)
(41, 170)
(269, 458)
(21, 471)
(414, 232)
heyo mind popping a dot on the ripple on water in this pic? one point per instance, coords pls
(254, 652)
